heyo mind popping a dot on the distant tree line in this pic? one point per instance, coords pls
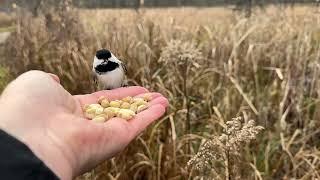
(243, 5)
(168, 3)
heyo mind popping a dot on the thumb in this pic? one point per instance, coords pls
(54, 77)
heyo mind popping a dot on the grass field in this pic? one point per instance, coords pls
(213, 65)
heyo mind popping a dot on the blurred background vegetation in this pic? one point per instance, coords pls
(214, 60)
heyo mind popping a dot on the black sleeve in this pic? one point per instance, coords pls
(17, 161)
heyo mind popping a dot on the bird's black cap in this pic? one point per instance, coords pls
(103, 54)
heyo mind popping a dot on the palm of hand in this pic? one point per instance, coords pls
(54, 125)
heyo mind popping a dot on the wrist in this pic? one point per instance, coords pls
(52, 157)
(37, 140)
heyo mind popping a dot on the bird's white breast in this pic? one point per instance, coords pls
(112, 79)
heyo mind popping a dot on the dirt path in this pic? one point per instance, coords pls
(4, 36)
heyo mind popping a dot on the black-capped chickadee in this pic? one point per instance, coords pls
(108, 71)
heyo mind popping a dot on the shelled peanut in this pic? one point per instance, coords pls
(125, 108)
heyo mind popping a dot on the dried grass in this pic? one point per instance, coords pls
(221, 155)
(264, 68)
(6, 19)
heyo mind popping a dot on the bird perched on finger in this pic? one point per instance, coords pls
(108, 71)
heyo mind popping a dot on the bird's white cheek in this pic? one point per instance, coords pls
(96, 62)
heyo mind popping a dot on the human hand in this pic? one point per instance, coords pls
(38, 111)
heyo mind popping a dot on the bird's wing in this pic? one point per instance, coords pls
(124, 67)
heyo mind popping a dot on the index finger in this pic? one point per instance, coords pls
(145, 118)
(132, 128)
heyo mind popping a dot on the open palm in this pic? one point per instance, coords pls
(51, 122)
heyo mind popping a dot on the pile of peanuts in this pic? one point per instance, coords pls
(125, 108)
